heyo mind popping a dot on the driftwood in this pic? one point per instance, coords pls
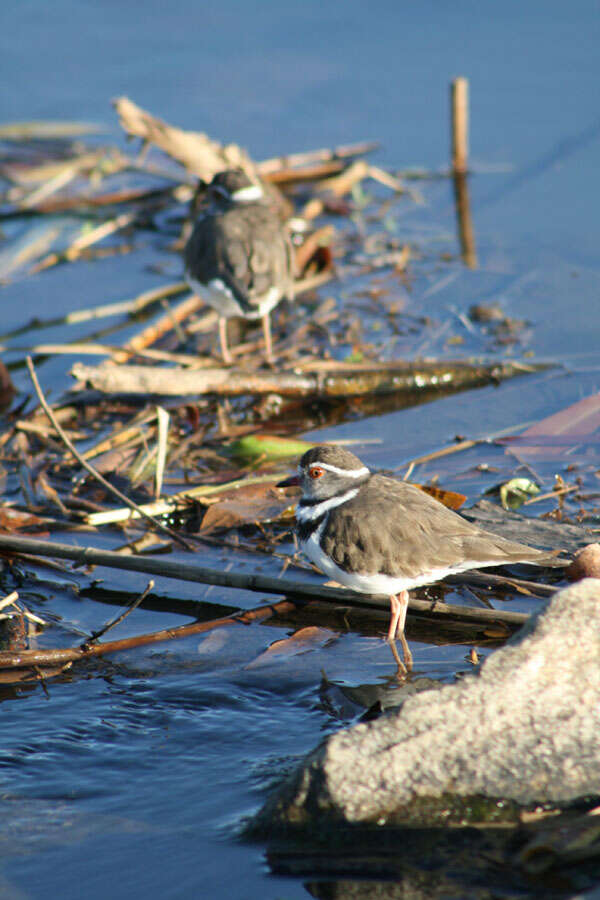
(349, 381)
(194, 150)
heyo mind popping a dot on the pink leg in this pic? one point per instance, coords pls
(399, 607)
(223, 341)
(266, 324)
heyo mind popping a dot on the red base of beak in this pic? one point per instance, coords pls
(292, 481)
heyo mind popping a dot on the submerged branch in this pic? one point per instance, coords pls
(31, 659)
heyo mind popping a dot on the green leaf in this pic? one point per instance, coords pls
(516, 491)
(268, 446)
(356, 357)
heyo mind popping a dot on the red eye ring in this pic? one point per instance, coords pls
(316, 472)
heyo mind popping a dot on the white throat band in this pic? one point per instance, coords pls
(310, 513)
(248, 194)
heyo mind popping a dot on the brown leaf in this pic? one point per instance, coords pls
(311, 250)
(14, 520)
(244, 506)
(117, 460)
(451, 499)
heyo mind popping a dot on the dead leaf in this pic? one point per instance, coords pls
(315, 249)
(117, 460)
(245, 505)
(497, 630)
(14, 521)
(451, 499)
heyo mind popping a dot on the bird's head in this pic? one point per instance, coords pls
(232, 187)
(327, 470)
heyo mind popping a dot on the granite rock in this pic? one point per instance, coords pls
(522, 731)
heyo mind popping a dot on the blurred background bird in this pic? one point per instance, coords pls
(239, 258)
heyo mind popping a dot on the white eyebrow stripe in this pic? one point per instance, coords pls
(349, 473)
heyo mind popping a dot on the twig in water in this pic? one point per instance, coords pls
(82, 462)
(118, 619)
(86, 240)
(30, 659)
(551, 494)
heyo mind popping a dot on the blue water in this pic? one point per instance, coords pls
(131, 776)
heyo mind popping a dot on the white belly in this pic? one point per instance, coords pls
(376, 583)
(220, 297)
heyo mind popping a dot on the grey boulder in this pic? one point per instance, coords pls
(523, 731)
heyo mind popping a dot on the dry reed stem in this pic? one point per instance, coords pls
(325, 154)
(200, 493)
(86, 240)
(82, 462)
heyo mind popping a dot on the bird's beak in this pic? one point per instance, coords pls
(293, 480)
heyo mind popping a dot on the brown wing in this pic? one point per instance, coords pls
(394, 528)
(247, 248)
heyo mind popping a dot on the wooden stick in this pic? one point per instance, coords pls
(459, 98)
(118, 619)
(89, 556)
(158, 329)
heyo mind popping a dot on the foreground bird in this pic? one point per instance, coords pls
(239, 256)
(381, 536)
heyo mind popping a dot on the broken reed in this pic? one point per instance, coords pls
(459, 104)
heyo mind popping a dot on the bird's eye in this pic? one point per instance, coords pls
(316, 472)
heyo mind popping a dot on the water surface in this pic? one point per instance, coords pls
(133, 774)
